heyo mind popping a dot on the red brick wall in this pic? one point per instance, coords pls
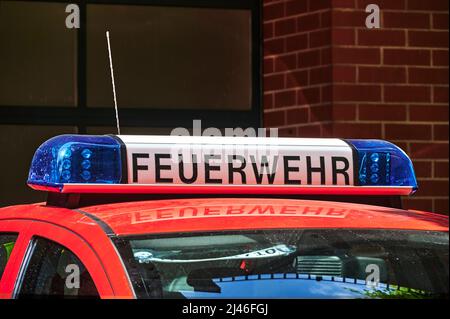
(325, 74)
(297, 67)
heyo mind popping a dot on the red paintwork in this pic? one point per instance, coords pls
(73, 230)
(223, 214)
(225, 189)
(89, 242)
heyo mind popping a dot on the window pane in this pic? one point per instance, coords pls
(47, 274)
(170, 57)
(37, 55)
(18, 144)
(303, 263)
(7, 242)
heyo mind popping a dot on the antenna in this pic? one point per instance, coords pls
(113, 83)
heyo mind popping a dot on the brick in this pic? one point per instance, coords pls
(285, 26)
(274, 119)
(428, 76)
(407, 20)
(428, 5)
(295, 7)
(432, 188)
(357, 130)
(341, 36)
(407, 94)
(297, 79)
(310, 131)
(407, 132)
(288, 132)
(440, 57)
(268, 66)
(383, 4)
(326, 93)
(297, 42)
(348, 18)
(308, 58)
(344, 112)
(320, 75)
(429, 150)
(356, 55)
(308, 96)
(325, 19)
(268, 30)
(441, 169)
(374, 37)
(407, 57)
(285, 62)
(308, 22)
(347, 4)
(327, 130)
(349, 92)
(344, 73)
(268, 100)
(273, 11)
(382, 112)
(441, 132)
(435, 39)
(325, 56)
(274, 82)
(419, 204)
(274, 46)
(423, 169)
(441, 206)
(298, 116)
(319, 38)
(440, 21)
(321, 113)
(315, 5)
(428, 113)
(285, 98)
(382, 75)
(440, 94)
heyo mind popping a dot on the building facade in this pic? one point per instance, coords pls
(327, 75)
(324, 74)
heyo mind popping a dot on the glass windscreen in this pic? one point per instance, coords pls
(325, 263)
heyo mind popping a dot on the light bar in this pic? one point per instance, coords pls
(220, 165)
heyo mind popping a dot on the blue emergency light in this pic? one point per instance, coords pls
(81, 159)
(103, 162)
(384, 164)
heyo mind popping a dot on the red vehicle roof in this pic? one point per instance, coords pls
(208, 214)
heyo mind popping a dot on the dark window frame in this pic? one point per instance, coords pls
(82, 117)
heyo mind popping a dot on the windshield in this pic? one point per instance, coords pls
(323, 263)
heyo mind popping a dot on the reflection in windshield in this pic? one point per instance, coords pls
(146, 256)
(325, 263)
(301, 286)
